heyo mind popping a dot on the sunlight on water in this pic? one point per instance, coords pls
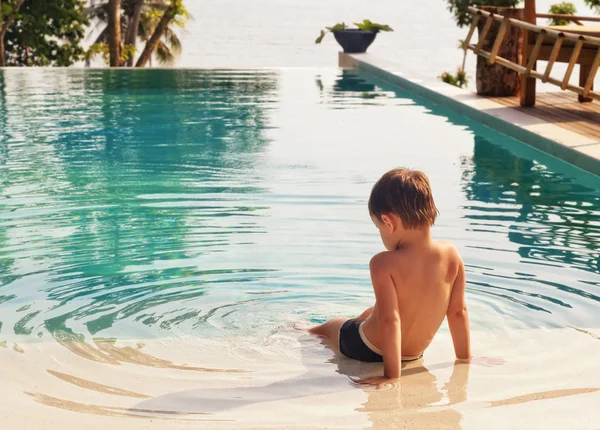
(223, 203)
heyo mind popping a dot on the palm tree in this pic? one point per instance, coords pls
(140, 20)
(173, 13)
(133, 26)
(114, 32)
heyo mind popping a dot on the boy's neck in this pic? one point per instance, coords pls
(417, 238)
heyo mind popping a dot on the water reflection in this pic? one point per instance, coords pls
(419, 401)
(158, 203)
(556, 221)
(114, 185)
(553, 220)
(352, 88)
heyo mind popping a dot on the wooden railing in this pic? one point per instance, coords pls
(543, 34)
(573, 18)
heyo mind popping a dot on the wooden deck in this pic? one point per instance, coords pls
(563, 110)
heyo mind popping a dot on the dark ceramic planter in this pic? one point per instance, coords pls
(354, 41)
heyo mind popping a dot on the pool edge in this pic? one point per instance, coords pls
(575, 149)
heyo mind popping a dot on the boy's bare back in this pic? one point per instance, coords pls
(417, 282)
(429, 283)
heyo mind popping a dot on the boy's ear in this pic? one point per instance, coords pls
(388, 222)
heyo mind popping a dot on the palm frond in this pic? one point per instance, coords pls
(169, 47)
(164, 54)
(145, 30)
(173, 41)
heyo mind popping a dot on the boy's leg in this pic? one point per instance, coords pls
(330, 332)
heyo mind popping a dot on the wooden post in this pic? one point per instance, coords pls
(498, 41)
(486, 29)
(536, 51)
(527, 95)
(588, 74)
(553, 56)
(585, 72)
(476, 19)
(572, 62)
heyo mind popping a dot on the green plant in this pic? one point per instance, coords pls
(127, 52)
(459, 80)
(366, 25)
(448, 78)
(42, 32)
(564, 8)
(332, 29)
(459, 8)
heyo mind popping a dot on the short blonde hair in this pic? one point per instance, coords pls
(406, 193)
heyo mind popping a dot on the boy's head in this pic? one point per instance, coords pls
(405, 195)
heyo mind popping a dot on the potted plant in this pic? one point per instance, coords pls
(354, 40)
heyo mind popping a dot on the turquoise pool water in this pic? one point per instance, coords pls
(223, 203)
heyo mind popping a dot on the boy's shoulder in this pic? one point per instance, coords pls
(388, 259)
(450, 251)
(383, 260)
(447, 246)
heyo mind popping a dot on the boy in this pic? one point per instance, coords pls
(416, 283)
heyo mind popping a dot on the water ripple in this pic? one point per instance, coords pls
(177, 203)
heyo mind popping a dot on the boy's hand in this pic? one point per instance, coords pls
(379, 381)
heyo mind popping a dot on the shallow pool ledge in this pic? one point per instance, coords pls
(574, 148)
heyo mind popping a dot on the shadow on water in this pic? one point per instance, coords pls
(417, 401)
(413, 400)
(113, 184)
(417, 398)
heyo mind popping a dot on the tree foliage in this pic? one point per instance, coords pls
(46, 33)
(564, 8)
(459, 8)
(593, 4)
(176, 10)
(7, 8)
(102, 49)
(169, 45)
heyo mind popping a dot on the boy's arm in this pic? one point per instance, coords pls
(458, 317)
(388, 316)
(388, 321)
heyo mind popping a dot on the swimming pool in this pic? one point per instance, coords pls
(214, 204)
